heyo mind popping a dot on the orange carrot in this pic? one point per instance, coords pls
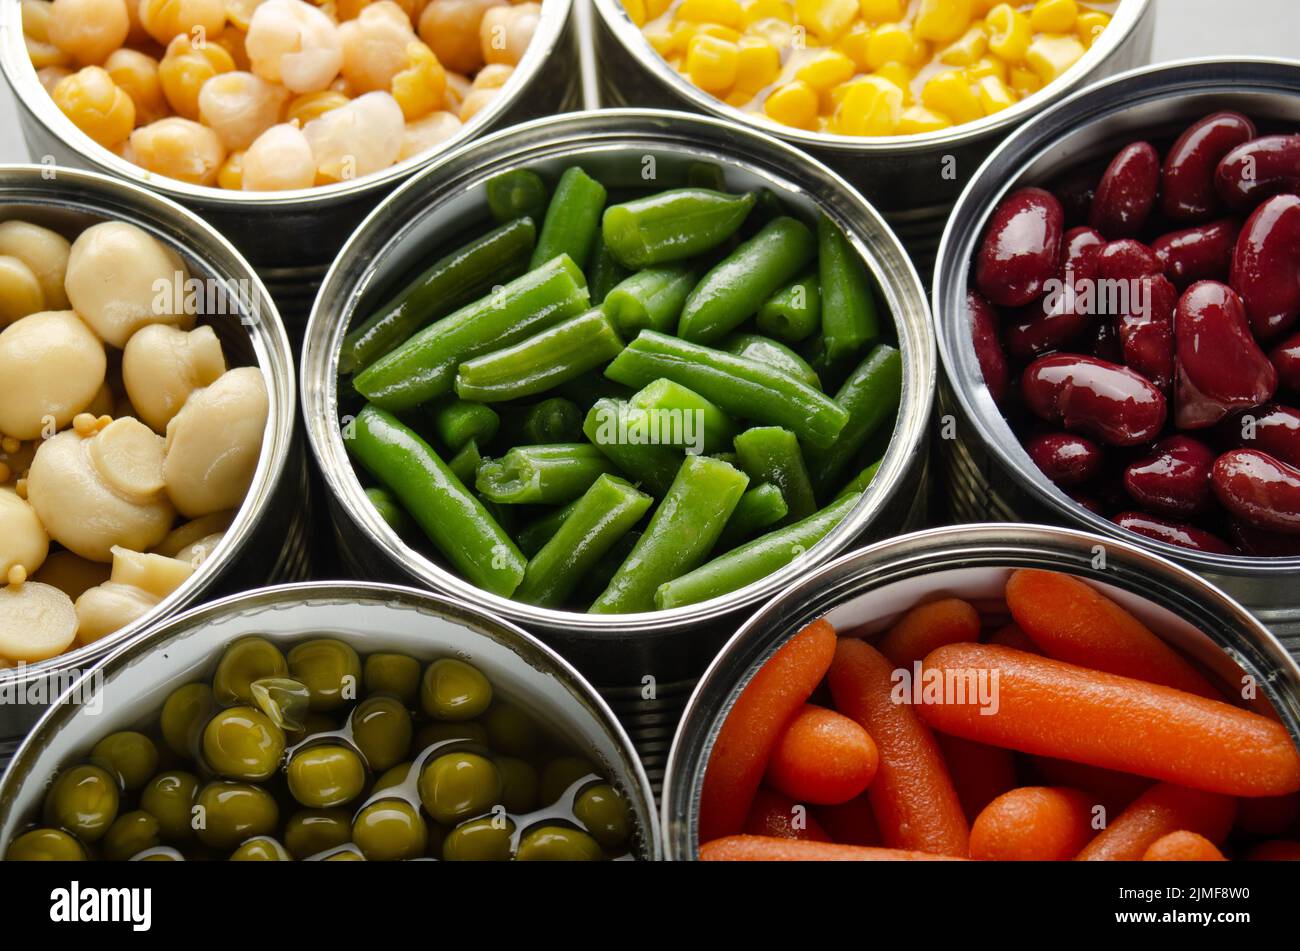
(1162, 809)
(1268, 815)
(757, 848)
(912, 795)
(928, 626)
(1276, 850)
(822, 757)
(850, 823)
(1056, 709)
(1033, 824)
(1107, 787)
(1072, 621)
(1010, 635)
(780, 817)
(981, 773)
(1183, 846)
(751, 730)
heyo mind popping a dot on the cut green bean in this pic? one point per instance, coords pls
(606, 512)
(451, 282)
(849, 319)
(612, 428)
(548, 475)
(457, 421)
(542, 529)
(453, 519)
(650, 300)
(602, 573)
(552, 420)
(604, 273)
(540, 362)
(771, 454)
(753, 561)
(586, 389)
(743, 388)
(706, 175)
(775, 354)
(677, 416)
(861, 481)
(736, 287)
(870, 396)
(516, 193)
(572, 218)
(389, 509)
(683, 530)
(759, 508)
(794, 312)
(425, 365)
(672, 225)
(466, 462)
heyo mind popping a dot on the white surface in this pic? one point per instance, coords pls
(1183, 28)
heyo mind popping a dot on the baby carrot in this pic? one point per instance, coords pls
(822, 757)
(850, 823)
(1033, 824)
(1162, 809)
(780, 817)
(1010, 635)
(1072, 621)
(1107, 787)
(1182, 846)
(751, 730)
(928, 626)
(912, 795)
(1053, 708)
(981, 773)
(759, 848)
(1275, 850)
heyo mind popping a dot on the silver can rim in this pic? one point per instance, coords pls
(325, 331)
(991, 544)
(993, 180)
(36, 102)
(182, 229)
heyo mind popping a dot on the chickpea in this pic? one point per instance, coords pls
(214, 442)
(235, 42)
(36, 36)
(20, 291)
(424, 134)
(50, 76)
(96, 105)
(121, 278)
(451, 28)
(51, 367)
(138, 583)
(239, 13)
(136, 74)
(281, 157)
(42, 250)
(185, 68)
(162, 366)
(37, 621)
(293, 43)
(179, 148)
(361, 137)
(23, 542)
(312, 105)
(165, 20)
(493, 76)
(240, 106)
(458, 88)
(88, 30)
(231, 174)
(374, 46)
(505, 32)
(137, 36)
(71, 573)
(475, 101)
(419, 88)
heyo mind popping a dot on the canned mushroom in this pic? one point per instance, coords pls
(992, 692)
(330, 722)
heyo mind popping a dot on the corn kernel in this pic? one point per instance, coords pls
(184, 69)
(994, 96)
(757, 64)
(890, 43)
(419, 88)
(1051, 55)
(1054, 16)
(755, 10)
(96, 106)
(738, 100)
(1089, 26)
(871, 106)
(231, 173)
(825, 68)
(980, 8)
(1024, 81)
(654, 9)
(725, 12)
(793, 104)
(827, 18)
(780, 34)
(882, 11)
(966, 50)
(853, 44)
(917, 119)
(312, 105)
(712, 63)
(942, 20)
(717, 31)
(949, 92)
(661, 41)
(636, 11)
(900, 76)
(1009, 33)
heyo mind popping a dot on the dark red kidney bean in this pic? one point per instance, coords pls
(1187, 188)
(1259, 489)
(1021, 251)
(1273, 428)
(1063, 313)
(988, 349)
(1127, 260)
(1091, 503)
(1075, 193)
(1173, 533)
(1067, 459)
(1266, 265)
(1220, 368)
(1174, 480)
(1257, 169)
(1084, 394)
(1146, 329)
(1202, 253)
(1285, 358)
(1260, 543)
(1106, 344)
(1127, 191)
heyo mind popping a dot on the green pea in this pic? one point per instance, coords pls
(393, 674)
(458, 785)
(558, 844)
(283, 699)
(479, 840)
(331, 670)
(393, 776)
(84, 801)
(45, 845)
(390, 830)
(131, 757)
(161, 854)
(560, 774)
(519, 784)
(345, 854)
(183, 714)
(324, 776)
(453, 690)
(228, 813)
(130, 834)
(244, 661)
(381, 728)
(511, 731)
(263, 848)
(466, 731)
(603, 813)
(243, 743)
(169, 797)
(312, 831)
